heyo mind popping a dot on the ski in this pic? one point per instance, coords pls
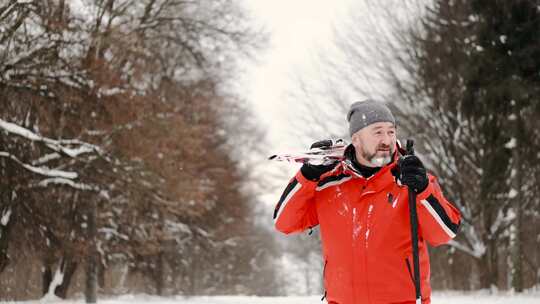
(331, 152)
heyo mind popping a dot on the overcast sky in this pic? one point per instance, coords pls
(299, 30)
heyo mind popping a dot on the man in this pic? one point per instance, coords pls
(361, 206)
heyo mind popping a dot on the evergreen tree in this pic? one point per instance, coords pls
(477, 86)
(502, 89)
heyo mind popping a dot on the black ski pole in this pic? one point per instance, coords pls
(413, 216)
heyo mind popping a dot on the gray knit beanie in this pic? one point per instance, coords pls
(364, 113)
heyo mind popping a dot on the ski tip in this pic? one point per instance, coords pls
(272, 156)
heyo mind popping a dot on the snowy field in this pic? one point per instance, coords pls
(438, 298)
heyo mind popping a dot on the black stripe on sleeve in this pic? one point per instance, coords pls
(332, 178)
(442, 214)
(288, 190)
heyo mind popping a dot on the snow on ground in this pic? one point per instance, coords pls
(437, 298)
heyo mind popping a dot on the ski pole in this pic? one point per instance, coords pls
(413, 216)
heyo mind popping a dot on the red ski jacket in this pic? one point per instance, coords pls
(365, 232)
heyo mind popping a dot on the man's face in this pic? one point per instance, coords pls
(375, 144)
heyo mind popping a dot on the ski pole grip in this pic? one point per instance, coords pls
(409, 147)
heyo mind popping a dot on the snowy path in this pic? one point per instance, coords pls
(438, 298)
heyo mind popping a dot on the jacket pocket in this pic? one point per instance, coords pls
(409, 269)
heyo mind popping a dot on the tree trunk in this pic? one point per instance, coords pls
(46, 277)
(90, 293)
(515, 270)
(494, 264)
(91, 258)
(194, 272)
(517, 235)
(487, 265)
(101, 275)
(68, 267)
(4, 241)
(159, 275)
(7, 217)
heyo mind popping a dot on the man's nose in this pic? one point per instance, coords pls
(386, 139)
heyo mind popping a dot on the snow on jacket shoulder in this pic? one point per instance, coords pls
(365, 232)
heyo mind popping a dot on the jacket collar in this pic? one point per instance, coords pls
(376, 182)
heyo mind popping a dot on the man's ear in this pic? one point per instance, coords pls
(353, 139)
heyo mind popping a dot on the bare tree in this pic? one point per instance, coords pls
(145, 82)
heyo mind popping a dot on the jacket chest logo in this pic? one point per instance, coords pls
(390, 197)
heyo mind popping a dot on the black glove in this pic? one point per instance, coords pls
(314, 172)
(412, 173)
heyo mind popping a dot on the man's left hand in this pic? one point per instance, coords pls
(412, 173)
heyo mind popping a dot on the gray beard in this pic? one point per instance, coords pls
(380, 161)
(377, 161)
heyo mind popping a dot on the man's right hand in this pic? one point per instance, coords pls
(314, 172)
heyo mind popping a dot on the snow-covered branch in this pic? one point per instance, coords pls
(46, 158)
(476, 251)
(75, 185)
(64, 147)
(41, 170)
(69, 147)
(5, 217)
